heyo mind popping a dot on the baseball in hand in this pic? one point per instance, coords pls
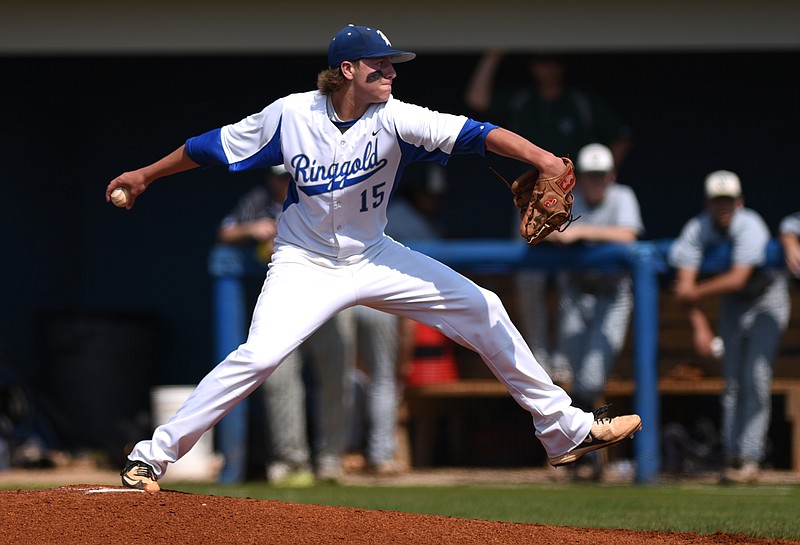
(120, 197)
(717, 347)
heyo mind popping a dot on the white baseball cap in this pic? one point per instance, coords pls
(595, 158)
(723, 183)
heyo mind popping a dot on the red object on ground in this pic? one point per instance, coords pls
(434, 360)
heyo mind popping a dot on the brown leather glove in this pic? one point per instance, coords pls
(545, 204)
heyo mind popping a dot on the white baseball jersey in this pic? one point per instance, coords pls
(342, 180)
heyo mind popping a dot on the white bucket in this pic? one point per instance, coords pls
(200, 463)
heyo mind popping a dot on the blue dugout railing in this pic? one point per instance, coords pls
(645, 260)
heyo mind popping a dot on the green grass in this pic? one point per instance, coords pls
(756, 511)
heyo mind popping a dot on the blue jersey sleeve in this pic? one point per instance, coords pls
(472, 138)
(206, 149)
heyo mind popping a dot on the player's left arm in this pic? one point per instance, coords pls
(453, 134)
(509, 144)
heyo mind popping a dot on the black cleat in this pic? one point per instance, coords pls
(140, 476)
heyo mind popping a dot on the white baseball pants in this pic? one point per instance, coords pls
(302, 291)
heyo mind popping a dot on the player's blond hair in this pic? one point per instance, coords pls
(330, 80)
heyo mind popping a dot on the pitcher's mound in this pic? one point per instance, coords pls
(89, 514)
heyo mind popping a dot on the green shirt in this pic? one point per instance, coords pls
(562, 126)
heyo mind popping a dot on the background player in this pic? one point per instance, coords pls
(330, 352)
(595, 306)
(346, 145)
(753, 313)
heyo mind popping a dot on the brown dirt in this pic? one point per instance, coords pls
(95, 515)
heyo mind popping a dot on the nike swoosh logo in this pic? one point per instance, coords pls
(376, 131)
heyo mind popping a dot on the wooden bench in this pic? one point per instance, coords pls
(425, 405)
(424, 408)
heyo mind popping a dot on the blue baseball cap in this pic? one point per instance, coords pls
(361, 42)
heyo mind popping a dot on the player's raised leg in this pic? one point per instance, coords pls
(434, 294)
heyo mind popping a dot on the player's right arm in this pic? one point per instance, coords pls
(136, 181)
(253, 142)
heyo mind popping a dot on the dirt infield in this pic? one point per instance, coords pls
(96, 514)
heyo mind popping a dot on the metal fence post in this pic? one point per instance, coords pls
(227, 269)
(647, 444)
